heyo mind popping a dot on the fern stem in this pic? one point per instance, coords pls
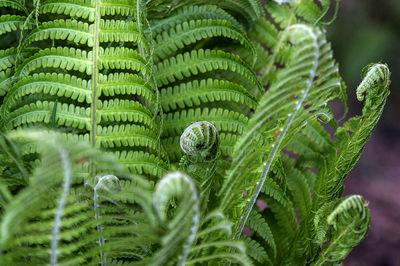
(54, 115)
(95, 74)
(326, 11)
(57, 219)
(37, 5)
(97, 216)
(276, 146)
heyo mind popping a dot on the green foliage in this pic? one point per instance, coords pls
(101, 100)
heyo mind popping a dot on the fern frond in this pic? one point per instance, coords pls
(350, 222)
(196, 93)
(183, 224)
(188, 13)
(124, 111)
(350, 146)
(202, 61)
(62, 85)
(373, 75)
(121, 7)
(66, 30)
(195, 30)
(256, 251)
(315, 11)
(5, 81)
(247, 10)
(14, 4)
(233, 93)
(260, 226)
(210, 244)
(142, 163)
(126, 136)
(321, 226)
(82, 83)
(118, 31)
(60, 57)
(300, 192)
(119, 84)
(171, 145)
(8, 60)
(122, 58)
(284, 97)
(74, 8)
(10, 23)
(20, 224)
(67, 115)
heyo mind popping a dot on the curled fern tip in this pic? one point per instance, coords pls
(200, 141)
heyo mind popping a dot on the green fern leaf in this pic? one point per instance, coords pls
(13, 4)
(118, 31)
(10, 23)
(260, 226)
(200, 92)
(76, 8)
(188, 13)
(202, 61)
(66, 30)
(256, 252)
(195, 30)
(350, 221)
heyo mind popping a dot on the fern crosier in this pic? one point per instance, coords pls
(200, 142)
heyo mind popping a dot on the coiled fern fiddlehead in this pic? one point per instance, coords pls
(200, 144)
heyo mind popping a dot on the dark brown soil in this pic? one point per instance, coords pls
(377, 178)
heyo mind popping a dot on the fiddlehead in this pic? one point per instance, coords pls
(373, 75)
(200, 143)
(108, 183)
(182, 223)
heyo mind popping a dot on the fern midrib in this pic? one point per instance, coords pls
(276, 145)
(95, 75)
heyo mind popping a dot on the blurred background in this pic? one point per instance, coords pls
(369, 31)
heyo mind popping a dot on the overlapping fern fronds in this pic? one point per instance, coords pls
(233, 93)
(112, 219)
(84, 83)
(203, 84)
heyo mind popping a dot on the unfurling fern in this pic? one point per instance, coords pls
(200, 142)
(350, 222)
(100, 99)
